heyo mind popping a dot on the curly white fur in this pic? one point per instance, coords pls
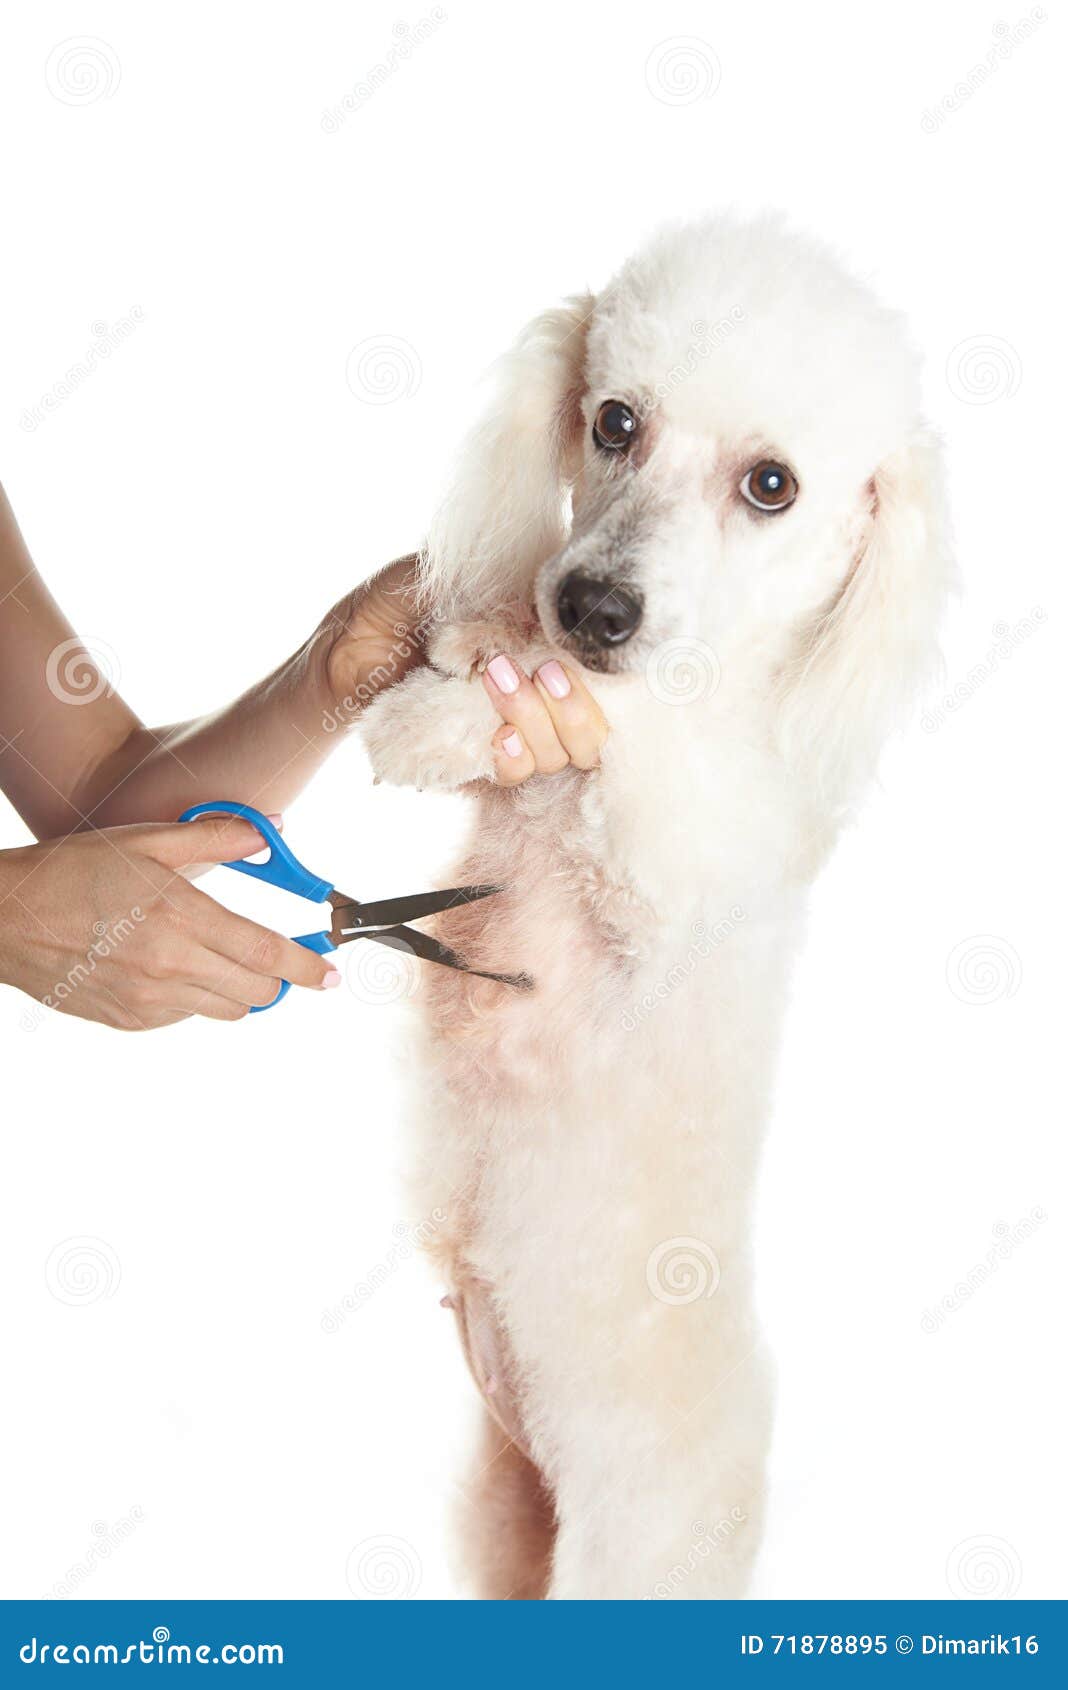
(595, 1142)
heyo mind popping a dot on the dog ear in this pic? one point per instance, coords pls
(505, 511)
(868, 656)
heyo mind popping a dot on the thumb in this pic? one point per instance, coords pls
(209, 839)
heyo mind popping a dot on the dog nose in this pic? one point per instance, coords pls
(596, 613)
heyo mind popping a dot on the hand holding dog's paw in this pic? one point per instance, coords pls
(437, 730)
(551, 722)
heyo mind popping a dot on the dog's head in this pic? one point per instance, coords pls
(735, 425)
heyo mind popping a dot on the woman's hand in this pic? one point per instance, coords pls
(106, 926)
(374, 638)
(551, 721)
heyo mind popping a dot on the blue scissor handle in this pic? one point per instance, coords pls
(282, 869)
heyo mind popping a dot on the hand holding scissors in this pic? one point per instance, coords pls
(383, 921)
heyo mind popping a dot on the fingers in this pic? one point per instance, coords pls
(179, 1001)
(255, 951)
(513, 761)
(209, 839)
(519, 703)
(555, 720)
(215, 975)
(576, 715)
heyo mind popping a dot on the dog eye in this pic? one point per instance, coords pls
(769, 486)
(614, 426)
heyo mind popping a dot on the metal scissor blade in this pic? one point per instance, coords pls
(387, 912)
(432, 950)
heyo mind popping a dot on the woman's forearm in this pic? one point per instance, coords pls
(59, 717)
(261, 749)
(266, 745)
(73, 755)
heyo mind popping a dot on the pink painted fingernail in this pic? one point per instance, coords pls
(276, 821)
(502, 673)
(512, 744)
(554, 679)
(333, 978)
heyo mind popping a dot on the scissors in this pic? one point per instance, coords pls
(381, 921)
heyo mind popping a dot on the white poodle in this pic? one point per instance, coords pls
(709, 487)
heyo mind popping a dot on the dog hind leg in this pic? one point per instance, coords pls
(507, 1522)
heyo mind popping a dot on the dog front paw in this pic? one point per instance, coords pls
(432, 730)
(464, 648)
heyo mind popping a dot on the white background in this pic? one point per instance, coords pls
(201, 498)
